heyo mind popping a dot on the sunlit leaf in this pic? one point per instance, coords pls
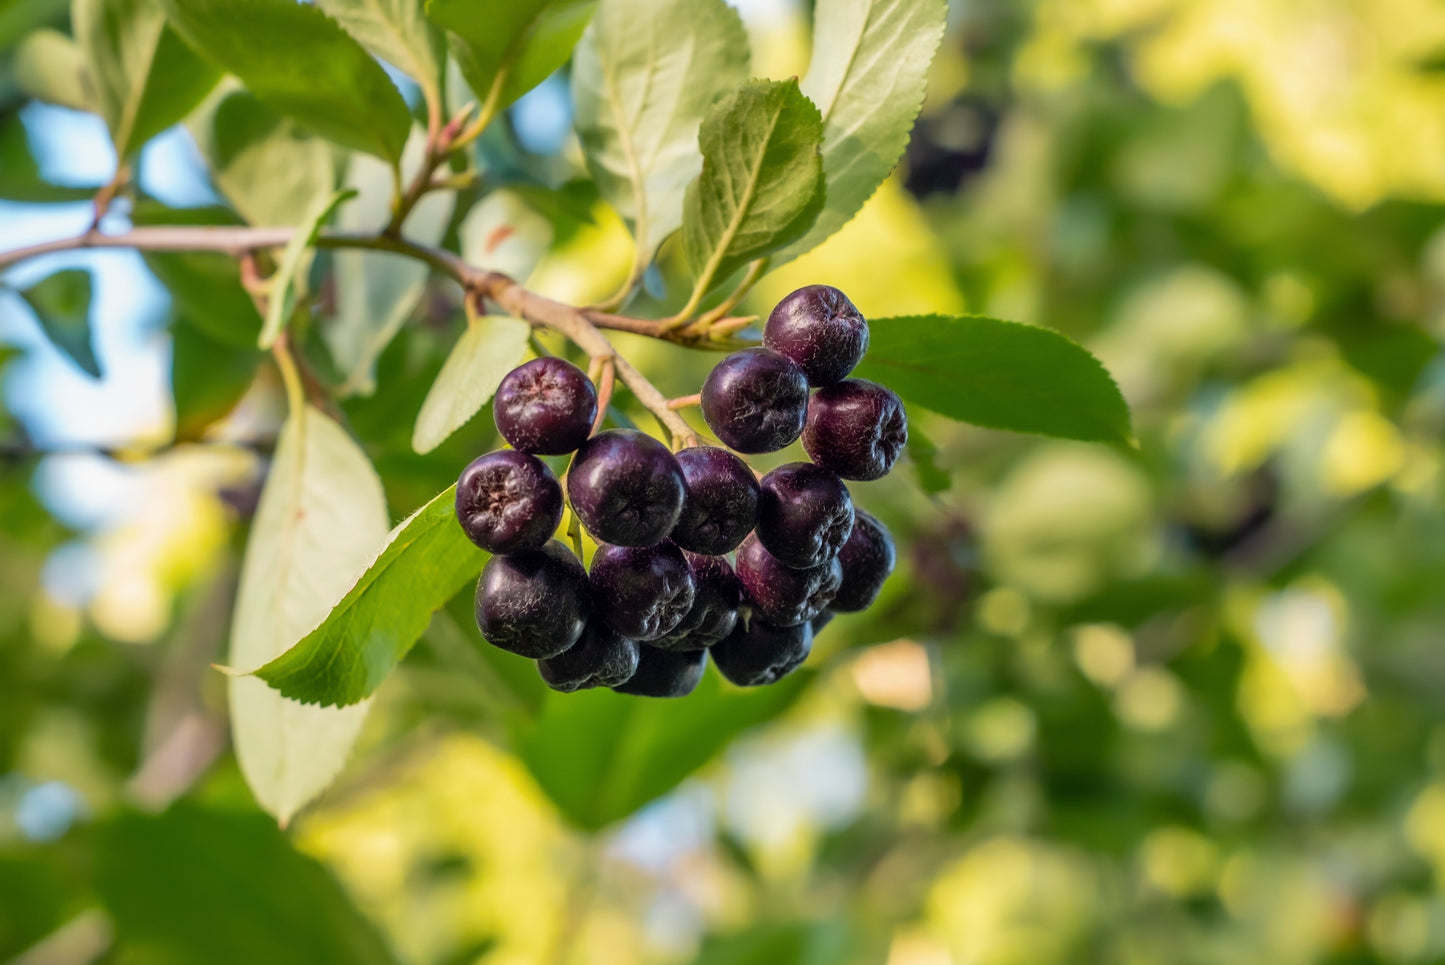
(867, 76)
(61, 304)
(761, 184)
(298, 62)
(321, 518)
(425, 562)
(50, 66)
(398, 32)
(503, 233)
(507, 47)
(489, 349)
(642, 77)
(1002, 375)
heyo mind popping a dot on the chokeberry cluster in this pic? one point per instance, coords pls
(661, 594)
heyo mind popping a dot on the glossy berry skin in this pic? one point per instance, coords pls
(545, 406)
(805, 514)
(534, 604)
(642, 592)
(714, 610)
(721, 504)
(820, 330)
(761, 654)
(867, 559)
(780, 595)
(626, 487)
(665, 673)
(601, 657)
(856, 428)
(755, 400)
(508, 502)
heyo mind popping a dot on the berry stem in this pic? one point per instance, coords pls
(685, 401)
(605, 380)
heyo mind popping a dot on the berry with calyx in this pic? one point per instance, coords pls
(508, 502)
(820, 330)
(867, 559)
(601, 657)
(642, 592)
(626, 487)
(761, 654)
(534, 604)
(805, 514)
(856, 428)
(714, 610)
(545, 406)
(779, 594)
(721, 503)
(756, 400)
(665, 673)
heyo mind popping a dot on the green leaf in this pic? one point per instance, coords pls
(762, 179)
(20, 17)
(20, 177)
(489, 349)
(143, 77)
(504, 233)
(265, 166)
(205, 287)
(868, 76)
(641, 95)
(50, 67)
(298, 62)
(321, 518)
(1002, 375)
(376, 291)
(924, 455)
(600, 755)
(507, 47)
(61, 304)
(225, 888)
(398, 32)
(281, 299)
(426, 561)
(208, 377)
(785, 943)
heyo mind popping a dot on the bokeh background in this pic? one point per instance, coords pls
(1179, 704)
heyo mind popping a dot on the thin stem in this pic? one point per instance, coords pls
(756, 269)
(685, 401)
(290, 376)
(606, 378)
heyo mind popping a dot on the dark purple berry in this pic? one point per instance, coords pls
(545, 406)
(600, 658)
(714, 610)
(508, 502)
(820, 621)
(856, 428)
(626, 487)
(867, 559)
(761, 654)
(755, 400)
(804, 514)
(820, 330)
(721, 504)
(780, 595)
(642, 592)
(534, 604)
(665, 673)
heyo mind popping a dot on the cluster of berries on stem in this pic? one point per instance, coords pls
(661, 594)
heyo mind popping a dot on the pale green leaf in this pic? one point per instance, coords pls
(642, 77)
(489, 349)
(321, 518)
(143, 77)
(1002, 375)
(375, 291)
(208, 377)
(50, 67)
(506, 47)
(281, 299)
(269, 170)
(298, 62)
(868, 76)
(503, 233)
(761, 184)
(398, 32)
(427, 560)
(61, 303)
